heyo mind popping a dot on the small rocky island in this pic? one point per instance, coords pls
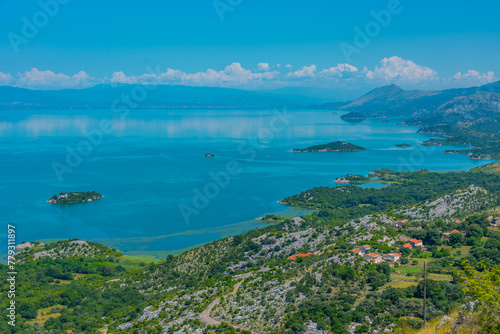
(403, 145)
(209, 155)
(353, 117)
(74, 197)
(338, 146)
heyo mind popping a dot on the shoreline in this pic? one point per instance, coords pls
(222, 231)
(219, 233)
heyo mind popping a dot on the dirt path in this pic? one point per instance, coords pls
(205, 315)
(207, 318)
(237, 285)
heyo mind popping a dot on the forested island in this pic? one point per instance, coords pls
(353, 117)
(403, 145)
(74, 197)
(338, 146)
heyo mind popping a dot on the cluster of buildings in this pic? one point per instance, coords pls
(412, 243)
(364, 251)
(399, 224)
(495, 221)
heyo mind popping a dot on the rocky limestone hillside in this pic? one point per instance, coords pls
(453, 205)
(261, 285)
(65, 249)
(463, 109)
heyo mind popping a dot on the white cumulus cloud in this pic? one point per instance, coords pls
(49, 80)
(263, 67)
(232, 74)
(120, 77)
(399, 70)
(171, 75)
(389, 70)
(5, 79)
(341, 70)
(473, 77)
(304, 72)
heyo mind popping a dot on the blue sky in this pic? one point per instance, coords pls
(425, 44)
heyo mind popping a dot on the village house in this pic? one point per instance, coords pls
(409, 246)
(399, 224)
(357, 251)
(415, 243)
(447, 234)
(392, 257)
(364, 248)
(373, 257)
(495, 221)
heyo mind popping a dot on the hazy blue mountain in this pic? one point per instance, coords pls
(388, 100)
(163, 96)
(317, 95)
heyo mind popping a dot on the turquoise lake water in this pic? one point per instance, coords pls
(149, 167)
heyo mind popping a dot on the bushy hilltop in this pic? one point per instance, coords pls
(65, 249)
(347, 268)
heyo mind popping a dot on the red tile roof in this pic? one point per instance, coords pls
(407, 246)
(457, 221)
(455, 231)
(373, 254)
(355, 250)
(328, 251)
(293, 257)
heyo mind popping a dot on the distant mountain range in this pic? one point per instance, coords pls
(388, 100)
(394, 101)
(161, 96)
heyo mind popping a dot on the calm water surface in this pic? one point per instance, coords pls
(150, 169)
